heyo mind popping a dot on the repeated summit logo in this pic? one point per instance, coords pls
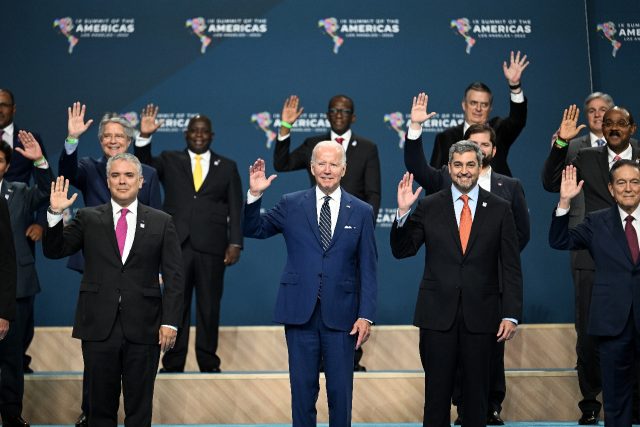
(398, 122)
(263, 121)
(472, 30)
(208, 29)
(608, 31)
(340, 29)
(307, 123)
(96, 28)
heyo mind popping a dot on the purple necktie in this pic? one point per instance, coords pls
(632, 239)
(121, 229)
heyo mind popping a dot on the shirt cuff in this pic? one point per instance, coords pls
(413, 134)
(251, 198)
(70, 148)
(43, 165)
(401, 220)
(561, 211)
(283, 137)
(170, 327)
(518, 98)
(142, 142)
(364, 318)
(53, 220)
(514, 321)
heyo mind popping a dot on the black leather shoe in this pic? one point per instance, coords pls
(82, 420)
(588, 419)
(14, 421)
(458, 421)
(211, 371)
(359, 368)
(169, 371)
(493, 419)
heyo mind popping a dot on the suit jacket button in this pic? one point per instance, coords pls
(195, 196)
(122, 270)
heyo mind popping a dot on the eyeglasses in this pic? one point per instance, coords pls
(619, 123)
(344, 111)
(117, 136)
(482, 105)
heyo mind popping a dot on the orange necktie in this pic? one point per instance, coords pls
(465, 223)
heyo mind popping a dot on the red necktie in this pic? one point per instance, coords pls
(339, 140)
(121, 229)
(465, 223)
(616, 158)
(632, 238)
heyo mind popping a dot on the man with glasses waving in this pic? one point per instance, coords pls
(477, 104)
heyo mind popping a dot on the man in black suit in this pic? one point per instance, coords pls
(8, 272)
(471, 291)
(510, 189)
(23, 201)
(362, 178)
(202, 192)
(593, 166)
(477, 104)
(21, 171)
(124, 317)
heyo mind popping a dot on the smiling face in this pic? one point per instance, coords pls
(199, 134)
(114, 139)
(483, 139)
(596, 109)
(464, 170)
(340, 114)
(476, 107)
(625, 187)
(124, 182)
(328, 167)
(617, 129)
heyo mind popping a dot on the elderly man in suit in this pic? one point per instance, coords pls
(476, 105)
(89, 175)
(202, 193)
(471, 291)
(510, 189)
(593, 165)
(23, 202)
(327, 293)
(611, 236)
(124, 317)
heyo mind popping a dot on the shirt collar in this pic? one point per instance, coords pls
(346, 135)
(473, 194)
(133, 207)
(204, 156)
(593, 138)
(336, 195)
(487, 173)
(9, 129)
(623, 215)
(626, 154)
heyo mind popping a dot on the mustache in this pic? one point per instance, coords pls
(614, 133)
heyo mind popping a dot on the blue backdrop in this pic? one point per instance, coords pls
(236, 61)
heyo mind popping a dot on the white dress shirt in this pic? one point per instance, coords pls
(484, 181)
(7, 136)
(625, 155)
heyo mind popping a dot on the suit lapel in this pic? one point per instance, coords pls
(344, 213)
(614, 224)
(450, 217)
(185, 163)
(603, 164)
(309, 203)
(214, 161)
(7, 192)
(106, 216)
(478, 219)
(140, 230)
(101, 166)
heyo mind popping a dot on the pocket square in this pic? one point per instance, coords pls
(349, 227)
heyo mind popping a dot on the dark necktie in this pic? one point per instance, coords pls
(339, 140)
(632, 238)
(325, 223)
(600, 142)
(121, 230)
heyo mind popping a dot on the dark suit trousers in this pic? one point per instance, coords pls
(113, 362)
(588, 363)
(205, 273)
(619, 358)
(440, 353)
(11, 367)
(307, 344)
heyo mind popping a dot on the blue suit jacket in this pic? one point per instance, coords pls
(616, 288)
(346, 270)
(90, 177)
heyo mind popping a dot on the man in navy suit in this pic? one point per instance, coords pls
(327, 293)
(611, 236)
(89, 175)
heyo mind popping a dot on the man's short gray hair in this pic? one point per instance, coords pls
(329, 144)
(129, 130)
(465, 146)
(128, 157)
(601, 95)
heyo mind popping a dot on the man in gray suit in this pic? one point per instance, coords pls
(22, 201)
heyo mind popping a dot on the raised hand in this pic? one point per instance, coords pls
(517, 65)
(148, 120)
(290, 110)
(569, 186)
(406, 195)
(569, 126)
(419, 113)
(31, 150)
(76, 125)
(58, 199)
(258, 181)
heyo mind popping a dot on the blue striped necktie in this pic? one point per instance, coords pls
(325, 223)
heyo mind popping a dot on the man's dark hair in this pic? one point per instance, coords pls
(334, 97)
(480, 128)
(480, 87)
(7, 150)
(620, 163)
(8, 92)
